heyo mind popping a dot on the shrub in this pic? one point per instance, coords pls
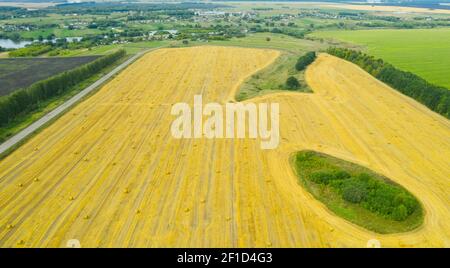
(400, 213)
(354, 191)
(305, 60)
(408, 201)
(292, 83)
(321, 177)
(325, 177)
(341, 174)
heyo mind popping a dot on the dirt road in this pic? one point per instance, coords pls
(63, 107)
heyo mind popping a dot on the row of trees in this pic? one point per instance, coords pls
(305, 60)
(13, 36)
(31, 50)
(7, 13)
(434, 97)
(23, 101)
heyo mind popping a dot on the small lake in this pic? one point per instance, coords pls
(7, 43)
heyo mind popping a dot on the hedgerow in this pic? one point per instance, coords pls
(434, 97)
(25, 100)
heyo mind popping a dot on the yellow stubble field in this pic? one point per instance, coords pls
(109, 173)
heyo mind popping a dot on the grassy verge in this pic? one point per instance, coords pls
(25, 120)
(273, 78)
(358, 194)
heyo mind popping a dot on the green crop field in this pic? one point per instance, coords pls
(425, 52)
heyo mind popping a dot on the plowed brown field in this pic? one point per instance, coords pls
(109, 174)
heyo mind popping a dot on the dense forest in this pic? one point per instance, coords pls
(434, 97)
(25, 100)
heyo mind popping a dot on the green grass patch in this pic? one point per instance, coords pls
(273, 78)
(425, 52)
(358, 194)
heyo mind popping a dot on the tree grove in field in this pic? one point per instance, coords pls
(305, 60)
(362, 187)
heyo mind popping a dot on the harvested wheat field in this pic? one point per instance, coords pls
(109, 173)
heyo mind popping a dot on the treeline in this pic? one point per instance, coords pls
(25, 100)
(305, 60)
(291, 30)
(13, 36)
(434, 97)
(106, 8)
(31, 50)
(7, 13)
